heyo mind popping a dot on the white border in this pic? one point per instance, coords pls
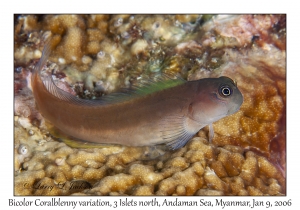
(152, 6)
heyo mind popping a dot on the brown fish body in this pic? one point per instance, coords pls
(170, 113)
(136, 122)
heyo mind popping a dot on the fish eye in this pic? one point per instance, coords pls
(225, 91)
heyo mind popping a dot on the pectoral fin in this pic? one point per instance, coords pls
(175, 133)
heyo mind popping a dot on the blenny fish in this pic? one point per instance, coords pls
(169, 111)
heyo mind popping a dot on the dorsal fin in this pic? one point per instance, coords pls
(147, 87)
(45, 55)
(165, 81)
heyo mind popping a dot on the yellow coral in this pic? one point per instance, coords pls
(118, 183)
(144, 190)
(257, 122)
(146, 174)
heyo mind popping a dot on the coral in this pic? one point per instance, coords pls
(255, 128)
(143, 190)
(145, 174)
(138, 47)
(118, 183)
(244, 27)
(114, 170)
(96, 54)
(260, 124)
(208, 192)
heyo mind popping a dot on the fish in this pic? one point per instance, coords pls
(165, 112)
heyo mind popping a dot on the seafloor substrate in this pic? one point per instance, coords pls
(97, 54)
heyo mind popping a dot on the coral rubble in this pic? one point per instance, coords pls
(97, 54)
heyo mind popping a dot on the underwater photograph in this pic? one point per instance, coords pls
(149, 105)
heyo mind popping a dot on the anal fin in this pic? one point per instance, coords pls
(211, 133)
(72, 141)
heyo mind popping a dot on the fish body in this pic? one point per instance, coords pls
(170, 111)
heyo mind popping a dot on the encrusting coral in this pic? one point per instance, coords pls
(222, 170)
(97, 54)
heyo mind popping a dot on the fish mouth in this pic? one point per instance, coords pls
(231, 111)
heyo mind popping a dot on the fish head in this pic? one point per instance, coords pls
(215, 98)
